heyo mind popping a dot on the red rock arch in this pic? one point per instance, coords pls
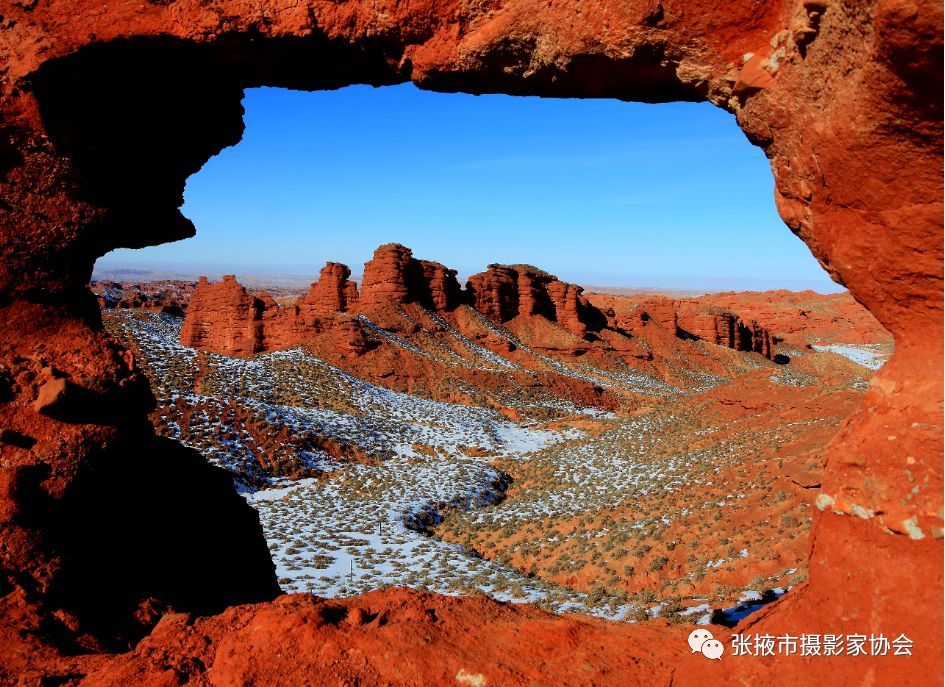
(107, 109)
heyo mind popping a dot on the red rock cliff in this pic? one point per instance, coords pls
(393, 276)
(440, 289)
(723, 327)
(503, 292)
(223, 317)
(332, 293)
(388, 277)
(495, 292)
(106, 110)
(687, 318)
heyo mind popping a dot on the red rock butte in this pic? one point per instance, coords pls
(224, 318)
(107, 109)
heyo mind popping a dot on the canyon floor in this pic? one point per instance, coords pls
(676, 488)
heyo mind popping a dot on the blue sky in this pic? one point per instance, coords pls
(596, 191)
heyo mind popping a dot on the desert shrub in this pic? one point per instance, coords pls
(797, 578)
(658, 563)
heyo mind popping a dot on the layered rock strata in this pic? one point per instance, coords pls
(225, 318)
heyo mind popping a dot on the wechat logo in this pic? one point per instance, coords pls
(702, 641)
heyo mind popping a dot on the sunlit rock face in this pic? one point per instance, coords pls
(107, 110)
(724, 328)
(224, 318)
(504, 292)
(334, 292)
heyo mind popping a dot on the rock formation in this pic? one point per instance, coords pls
(332, 293)
(393, 277)
(504, 292)
(337, 640)
(687, 319)
(722, 327)
(390, 277)
(441, 290)
(631, 314)
(804, 317)
(225, 318)
(494, 293)
(104, 114)
(222, 317)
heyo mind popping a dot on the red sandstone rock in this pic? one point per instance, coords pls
(569, 305)
(495, 293)
(397, 637)
(441, 290)
(752, 77)
(662, 312)
(340, 333)
(387, 276)
(687, 318)
(805, 317)
(394, 277)
(332, 293)
(224, 318)
(105, 113)
(504, 292)
(631, 314)
(723, 328)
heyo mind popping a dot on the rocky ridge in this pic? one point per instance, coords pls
(166, 295)
(690, 318)
(224, 318)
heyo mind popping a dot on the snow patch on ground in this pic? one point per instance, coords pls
(868, 355)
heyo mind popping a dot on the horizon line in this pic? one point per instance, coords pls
(258, 275)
